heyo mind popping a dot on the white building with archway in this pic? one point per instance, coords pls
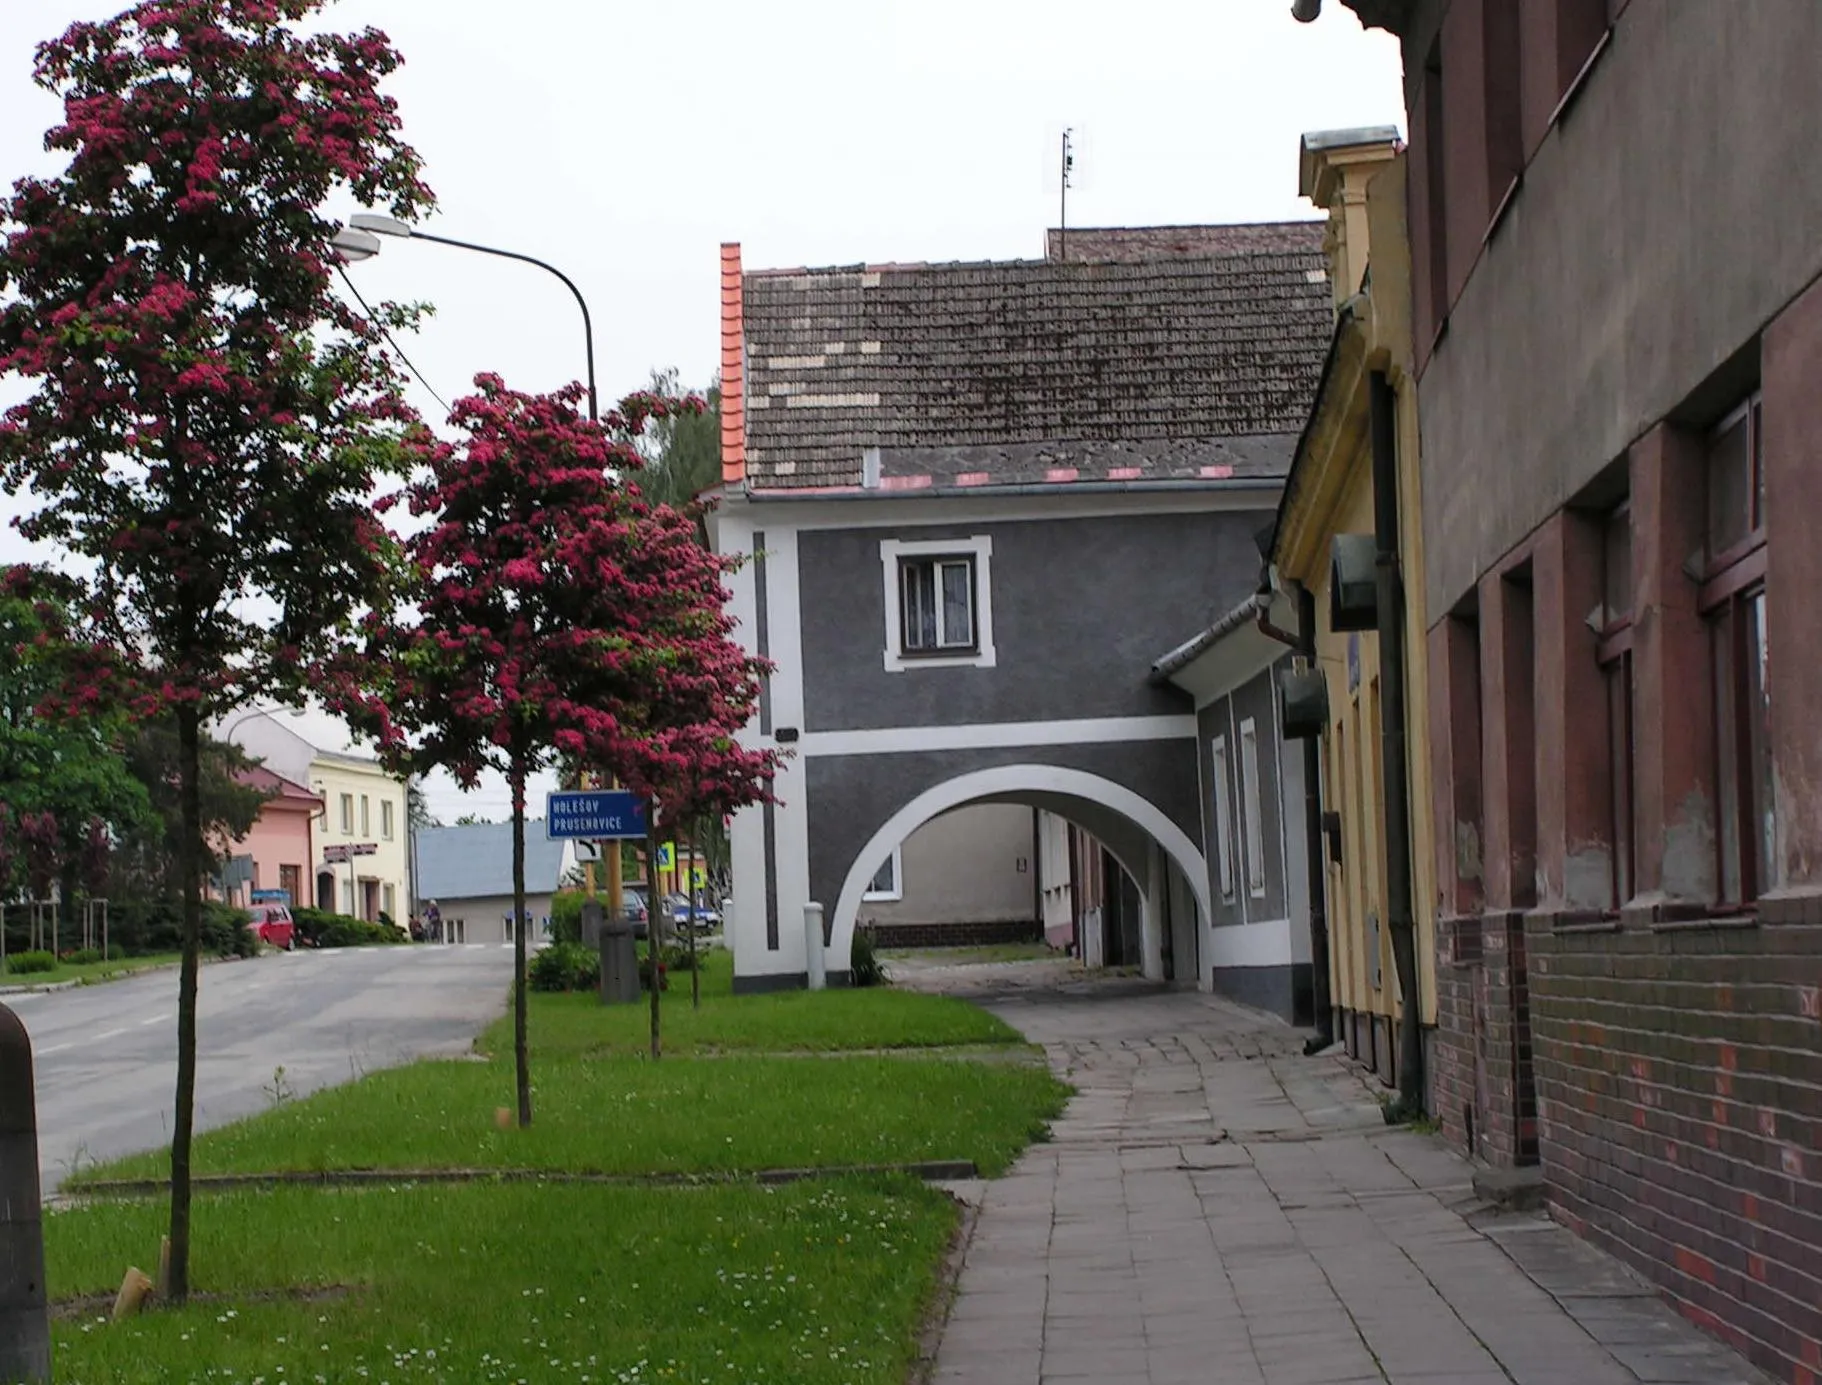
(975, 502)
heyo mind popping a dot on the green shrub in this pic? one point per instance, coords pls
(320, 928)
(863, 964)
(566, 916)
(564, 967)
(24, 963)
(139, 926)
(82, 957)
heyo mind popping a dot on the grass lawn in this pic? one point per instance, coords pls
(630, 1115)
(985, 952)
(812, 1283)
(89, 971)
(782, 1021)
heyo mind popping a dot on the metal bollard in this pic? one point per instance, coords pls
(25, 1324)
(814, 965)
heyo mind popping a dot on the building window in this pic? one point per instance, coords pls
(386, 818)
(1615, 654)
(348, 897)
(936, 612)
(939, 605)
(347, 815)
(1252, 819)
(886, 884)
(1224, 827)
(291, 881)
(390, 907)
(1732, 602)
(366, 821)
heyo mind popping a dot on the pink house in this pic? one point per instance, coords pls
(282, 842)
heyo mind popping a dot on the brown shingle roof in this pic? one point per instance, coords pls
(1186, 366)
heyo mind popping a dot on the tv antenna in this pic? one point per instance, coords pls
(1063, 199)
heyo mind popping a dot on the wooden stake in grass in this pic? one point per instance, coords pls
(164, 1266)
(135, 1289)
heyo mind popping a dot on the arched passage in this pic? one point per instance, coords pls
(1127, 823)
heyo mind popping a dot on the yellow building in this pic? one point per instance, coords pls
(1325, 543)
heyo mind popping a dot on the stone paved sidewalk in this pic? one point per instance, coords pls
(1216, 1208)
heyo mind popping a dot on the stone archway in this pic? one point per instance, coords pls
(1126, 822)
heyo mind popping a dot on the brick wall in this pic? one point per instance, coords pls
(1679, 1083)
(954, 934)
(1454, 1083)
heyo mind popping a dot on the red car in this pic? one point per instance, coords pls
(273, 925)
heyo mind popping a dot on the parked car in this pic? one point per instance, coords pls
(632, 905)
(707, 920)
(273, 925)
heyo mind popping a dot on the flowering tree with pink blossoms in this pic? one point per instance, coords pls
(554, 622)
(208, 418)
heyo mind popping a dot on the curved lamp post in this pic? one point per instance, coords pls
(359, 240)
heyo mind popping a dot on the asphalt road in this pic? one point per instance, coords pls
(106, 1056)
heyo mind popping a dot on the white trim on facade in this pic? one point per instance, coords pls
(986, 735)
(899, 509)
(978, 547)
(1017, 783)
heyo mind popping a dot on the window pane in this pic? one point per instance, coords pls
(1255, 827)
(958, 604)
(1730, 486)
(1758, 735)
(885, 879)
(1618, 561)
(919, 583)
(1619, 734)
(1224, 849)
(1727, 759)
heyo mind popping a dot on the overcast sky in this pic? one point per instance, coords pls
(623, 140)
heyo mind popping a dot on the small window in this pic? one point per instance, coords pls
(885, 883)
(1222, 785)
(386, 820)
(348, 898)
(1733, 605)
(366, 820)
(936, 605)
(1615, 654)
(1253, 819)
(391, 904)
(348, 818)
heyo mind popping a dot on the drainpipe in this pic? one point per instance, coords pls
(1304, 643)
(1400, 920)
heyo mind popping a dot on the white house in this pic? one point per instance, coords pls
(467, 871)
(361, 842)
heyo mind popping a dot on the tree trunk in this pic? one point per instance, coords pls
(690, 886)
(654, 930)
(521, 1052)
(189, 865)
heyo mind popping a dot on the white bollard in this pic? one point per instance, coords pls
(812, 946)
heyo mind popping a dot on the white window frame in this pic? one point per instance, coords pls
(893, 552)
(387, 818)
(347, 815)
(897, 892)
(1254, 818)
(1224, 825)
(366, 817)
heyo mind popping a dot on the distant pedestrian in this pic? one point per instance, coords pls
(433, 921)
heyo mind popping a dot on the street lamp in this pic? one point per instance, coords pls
(359, 240)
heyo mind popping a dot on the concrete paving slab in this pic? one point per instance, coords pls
(1217, 1208)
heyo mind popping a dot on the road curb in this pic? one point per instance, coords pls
(929, 1171)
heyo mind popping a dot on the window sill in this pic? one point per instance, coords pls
(899, 662)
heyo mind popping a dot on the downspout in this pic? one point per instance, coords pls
(1400, 921)
(1304, 643)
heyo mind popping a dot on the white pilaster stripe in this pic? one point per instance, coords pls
(987, 735)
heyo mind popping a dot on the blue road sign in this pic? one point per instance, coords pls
(594, 815)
